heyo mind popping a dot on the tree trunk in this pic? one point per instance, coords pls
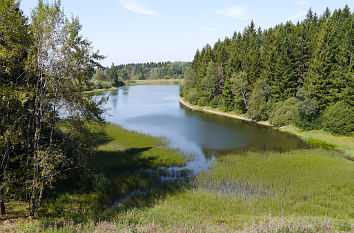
(40, 195)
(2, 203)
(32, 206)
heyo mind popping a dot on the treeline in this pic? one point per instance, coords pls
(298, 74)
(152, 70)
(44, 130)
(116, 76)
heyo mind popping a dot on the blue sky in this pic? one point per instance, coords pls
(131, 31)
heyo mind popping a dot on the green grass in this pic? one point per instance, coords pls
(303, 190)
(100, 90)
(124, 149)
(325, 139)
(114, 171)
(242, 189)
(297, 189)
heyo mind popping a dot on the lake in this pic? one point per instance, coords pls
(155, 110)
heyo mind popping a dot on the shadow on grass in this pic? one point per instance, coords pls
(112, 162)
(88, 194)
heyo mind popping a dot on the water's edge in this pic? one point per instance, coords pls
(218, 112)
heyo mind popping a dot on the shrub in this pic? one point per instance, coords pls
(106, 84)
(283, 113)
(216, 101)
(257, 108)
(97, 84)
(118, 82)
(203, 101)
(339, 119)
(307, 115)
(193, 96)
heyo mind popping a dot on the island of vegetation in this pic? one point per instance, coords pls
(64, 169)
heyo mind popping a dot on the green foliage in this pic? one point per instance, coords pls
(151, 70)
(203, 101)
(283, 113)
(257, 106)
(190, 81)
(217, 102)
(228, 96)
(113, 76)
(339, 118)
(193, 96)
(307, 116)
(100, 76)
(256, 69)
(241, 90)
(208, 85)
(44, 65)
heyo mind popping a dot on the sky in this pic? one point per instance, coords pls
(136, 31)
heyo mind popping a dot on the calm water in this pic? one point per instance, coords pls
(155, 110)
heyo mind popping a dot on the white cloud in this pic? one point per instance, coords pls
(237, 12)
(136, 7)
(297, 16)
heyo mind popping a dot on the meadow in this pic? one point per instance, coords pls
(297, 191)
(325, 139)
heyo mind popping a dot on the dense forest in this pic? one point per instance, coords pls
(298, 74)
(152, 70)
(117, 74)
(44, 130)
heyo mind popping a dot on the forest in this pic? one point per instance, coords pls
(299, 74)
(115, 75)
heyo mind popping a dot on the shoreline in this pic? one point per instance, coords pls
(220, 113)
(100, 90)
(155, 82)
(320, 138)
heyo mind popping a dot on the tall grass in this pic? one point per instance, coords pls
(242, 189)
(325, 139)
(296, 191)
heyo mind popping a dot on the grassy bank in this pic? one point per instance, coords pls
(246, 188)
(113, 172)
(100, 90)
(297, 191)
(324, 139)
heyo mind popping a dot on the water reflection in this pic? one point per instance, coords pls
(155, 110)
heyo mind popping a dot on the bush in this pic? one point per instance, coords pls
(106, 84)
(97, 84)
(193, 96)
(118, 82)
(283, 113)
(257, 109)
(339, 119)
(203, 101)
(307, 116)
(216, 101)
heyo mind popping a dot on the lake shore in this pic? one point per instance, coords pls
(155, 82)
(320, 138)
(221, 113)
(100, 90)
